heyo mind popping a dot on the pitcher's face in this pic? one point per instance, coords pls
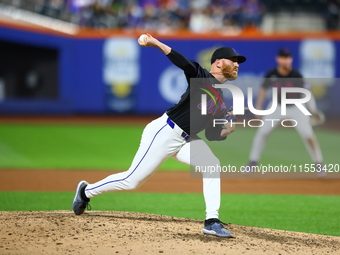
(229, 67)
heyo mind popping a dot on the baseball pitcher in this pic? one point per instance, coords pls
(172, 136)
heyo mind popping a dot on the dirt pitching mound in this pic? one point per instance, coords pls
(99, 232)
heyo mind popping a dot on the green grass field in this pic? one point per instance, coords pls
(71, 147)
(113, 148)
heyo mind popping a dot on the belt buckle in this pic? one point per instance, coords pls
(186, 136)
(172, 125)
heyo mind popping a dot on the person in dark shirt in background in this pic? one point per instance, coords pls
(283, 76)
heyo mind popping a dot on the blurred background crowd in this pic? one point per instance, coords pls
(197, 16)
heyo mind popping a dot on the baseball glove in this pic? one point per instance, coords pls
(317, 118)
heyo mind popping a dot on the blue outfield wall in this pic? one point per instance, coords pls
(116, 75)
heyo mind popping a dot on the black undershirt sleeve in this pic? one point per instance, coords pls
(182, 62)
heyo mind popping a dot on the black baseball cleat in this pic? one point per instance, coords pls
(80, 201)
(215, 227)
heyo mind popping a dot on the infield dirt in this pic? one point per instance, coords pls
(165, 182)
(61, 232)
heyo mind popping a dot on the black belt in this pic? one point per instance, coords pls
(172, 125)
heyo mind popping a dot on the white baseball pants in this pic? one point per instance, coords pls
(159, 142)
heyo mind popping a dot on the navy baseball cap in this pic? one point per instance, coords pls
(227, 52)
(284, 52)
